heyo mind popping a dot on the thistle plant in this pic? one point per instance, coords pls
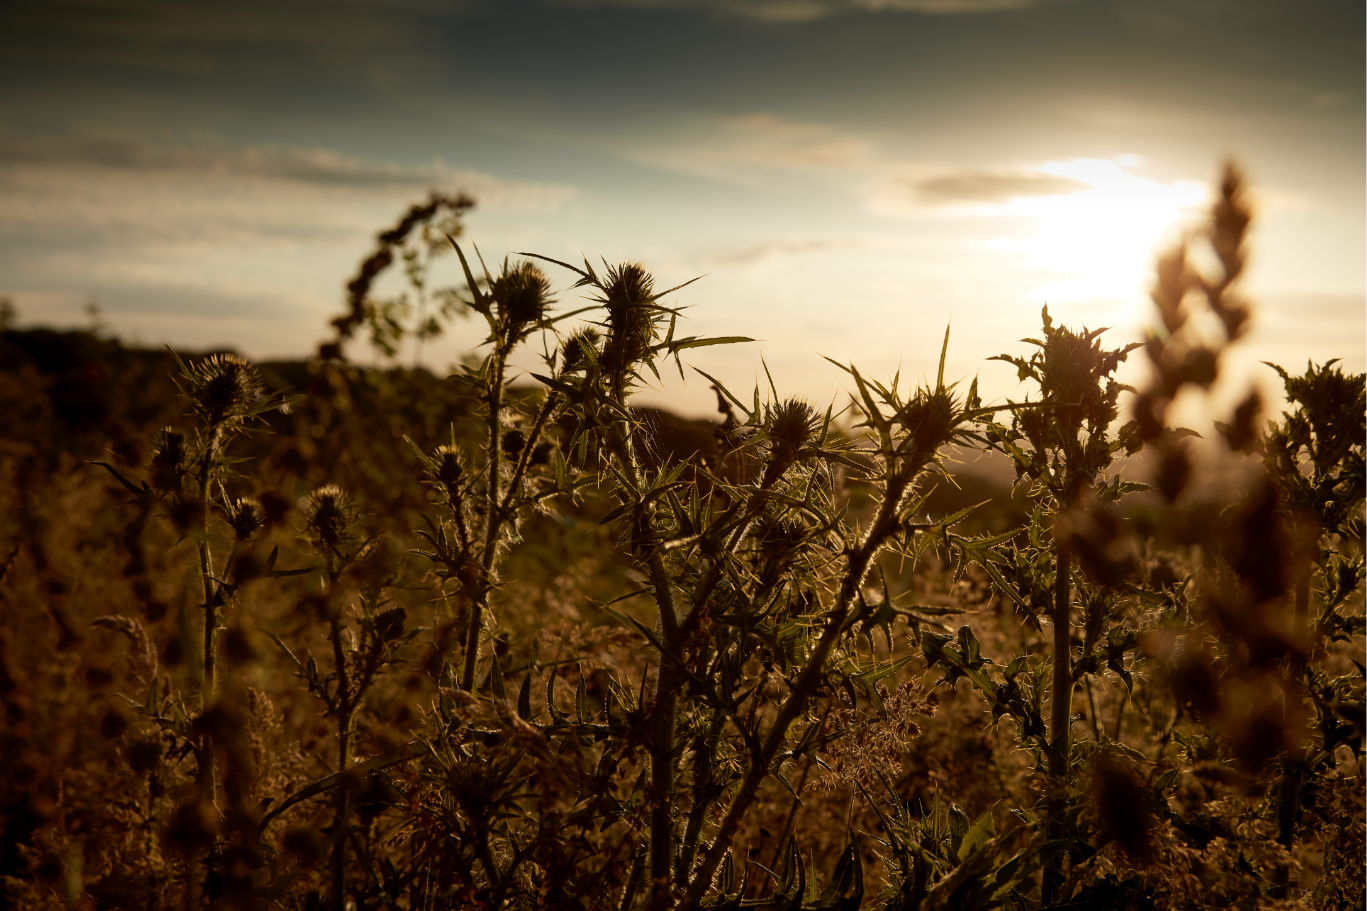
(485, 502)
(189, 474)
(723, 690)
(1062, 447)
(1314, 457)
(223, 392)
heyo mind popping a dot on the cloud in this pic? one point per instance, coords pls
(764, 251)
(988, 187)
(316, 166)
(756, 149)
(782, 11)
(194, 39)
(115, 187)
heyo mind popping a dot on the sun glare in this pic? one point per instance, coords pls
(1100, 239)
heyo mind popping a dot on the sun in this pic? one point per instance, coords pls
(1099, 240)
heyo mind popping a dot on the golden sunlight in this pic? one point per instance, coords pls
(1100, 240)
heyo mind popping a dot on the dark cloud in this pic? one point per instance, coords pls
(780, 11)
(991, 187)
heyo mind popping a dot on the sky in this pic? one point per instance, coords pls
(848, 176)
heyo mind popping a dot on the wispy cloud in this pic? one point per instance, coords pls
(757, 149)
(765, 149)
(765, 251)
(968, 186)
(117, 186)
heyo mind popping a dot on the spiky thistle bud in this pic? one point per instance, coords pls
(246, 516)
(930, 420)
(330, 515)
(790, 425)
(222, 388)
(522, 294)
(628, 296)
(580, 349)
(448, 470)
(168, 460)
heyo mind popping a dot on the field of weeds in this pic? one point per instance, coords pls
(307, 635)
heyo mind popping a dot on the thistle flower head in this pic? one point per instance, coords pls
(580, 349)
(222, 388)
(628, 296)
(790, 425)
(330, 515)
(168, 460)
(522, 294)
(930, 419)
(246, 516)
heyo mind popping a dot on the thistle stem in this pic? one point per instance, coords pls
(1289, 793)
(345, 708)
(207, 773)
(1060, 714)
(492, 520)
(883, 526)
